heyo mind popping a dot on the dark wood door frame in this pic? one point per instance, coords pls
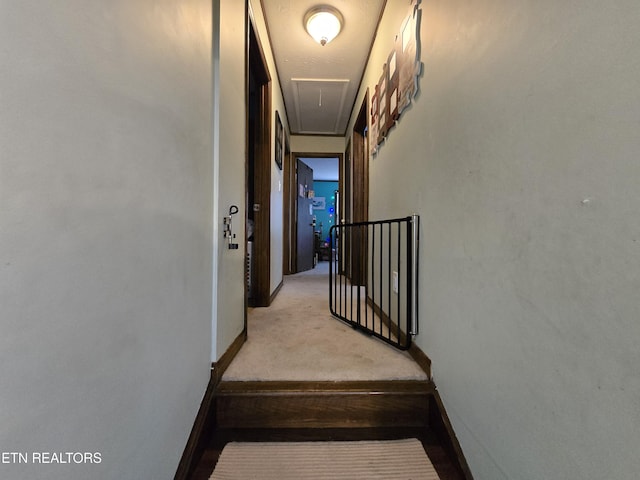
(360, 168)
(259, 147)
(290, 252)
(359, 194)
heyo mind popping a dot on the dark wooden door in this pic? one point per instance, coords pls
(258, 175)
(305, 223)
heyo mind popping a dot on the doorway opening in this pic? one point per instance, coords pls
(311, 206)
(258, 179)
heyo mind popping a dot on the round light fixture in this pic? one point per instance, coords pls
(323, 23)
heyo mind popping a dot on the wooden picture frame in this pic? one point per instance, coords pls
(398, 83)
(279, 141)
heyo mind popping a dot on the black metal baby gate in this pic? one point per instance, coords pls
(373, 277)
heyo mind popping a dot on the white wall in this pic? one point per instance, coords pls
(105, 232)
(317, 144)
(230, 157)
(520, 155)
(229, 169)
(230, 149)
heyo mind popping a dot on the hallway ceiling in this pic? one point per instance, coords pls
(319, 83)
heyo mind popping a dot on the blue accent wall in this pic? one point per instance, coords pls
(325, 217)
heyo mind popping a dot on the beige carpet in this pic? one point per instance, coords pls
(297, 338)
(371, 460)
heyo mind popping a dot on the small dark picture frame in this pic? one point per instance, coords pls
(279, 143)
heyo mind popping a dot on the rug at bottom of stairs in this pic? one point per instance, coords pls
(389, 459)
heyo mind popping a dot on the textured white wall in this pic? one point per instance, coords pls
(105, 232)
(520, 155)
(230, 147)
(230, 184)
(317, 144)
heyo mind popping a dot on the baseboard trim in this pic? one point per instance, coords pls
(441, 425)
(421, 358)
(196, 444)
(205, 419)
(275, 292)
(218, 368)
(423, 361)
(387, 322)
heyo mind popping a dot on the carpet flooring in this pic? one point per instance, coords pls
(394, 459)
(297, 339)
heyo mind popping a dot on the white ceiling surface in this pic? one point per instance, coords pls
(320, 83)
(323, 168)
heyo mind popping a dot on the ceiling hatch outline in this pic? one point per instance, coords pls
(327, 96)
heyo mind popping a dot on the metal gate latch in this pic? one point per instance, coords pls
(227, 233)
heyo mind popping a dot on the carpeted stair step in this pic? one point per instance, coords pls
(323, 404)
(400, 459)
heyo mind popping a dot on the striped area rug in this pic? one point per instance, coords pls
(393, 459)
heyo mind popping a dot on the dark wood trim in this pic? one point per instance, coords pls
(386, 321)
(286, 220)
(371, 387)
(325, 434)
(441, 425)
(204, 423)
(218, 368)
(377, 404)
(360, 172)
(276, 291)
(356, 254)
(344, 213)
(317, 155)
(260, 51)
(247, 43)
(262, 159)
(290, 252)
(325, 410)
(328, 135)
(277, 73)
(421, 358)
(196, 444)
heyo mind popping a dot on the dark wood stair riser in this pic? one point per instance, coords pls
(331, 405)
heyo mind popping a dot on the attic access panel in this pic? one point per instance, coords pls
(320, 104)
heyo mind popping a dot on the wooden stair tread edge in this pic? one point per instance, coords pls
(343, 387)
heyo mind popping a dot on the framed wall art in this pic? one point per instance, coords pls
(398, 83)
(279, 141)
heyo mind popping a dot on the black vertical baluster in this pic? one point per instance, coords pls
(370, 271)
(354, 296)
(351, 250)
(365, 270)
(410, 285)
(373, 274)
(331, 274)
(390, 282)
(345, 268)
(381, 276)
(341, 253)
(399, 323)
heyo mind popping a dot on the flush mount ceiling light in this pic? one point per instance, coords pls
(323, 24)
